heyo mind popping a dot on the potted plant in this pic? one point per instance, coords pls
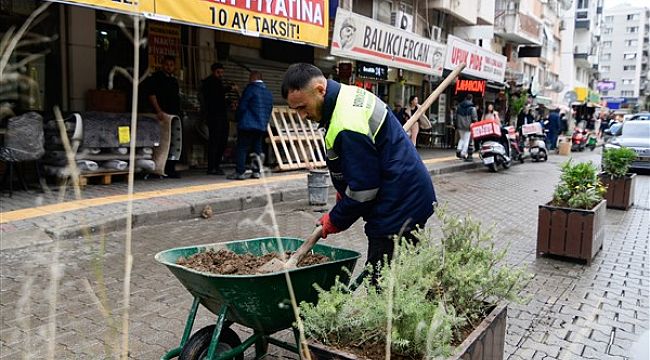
(572, 224)
(620, 184)
(441, 298)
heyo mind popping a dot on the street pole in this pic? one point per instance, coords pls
(434, 96)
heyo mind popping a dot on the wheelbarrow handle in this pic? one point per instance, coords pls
(305, 247)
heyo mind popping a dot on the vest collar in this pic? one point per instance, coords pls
(331, 94)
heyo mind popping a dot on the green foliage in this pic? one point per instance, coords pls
(517, 103)
(430, 292)
(617, 161)
(579, 186)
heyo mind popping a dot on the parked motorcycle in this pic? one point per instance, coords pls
(516, 144)
(581, 139)
(493, 152)
(535, 141)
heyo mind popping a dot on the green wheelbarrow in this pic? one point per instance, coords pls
(260, 302)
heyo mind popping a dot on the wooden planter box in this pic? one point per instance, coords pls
(486, 342)
(620, 192)
(574, 233)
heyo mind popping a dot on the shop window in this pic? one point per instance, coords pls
(383, 9)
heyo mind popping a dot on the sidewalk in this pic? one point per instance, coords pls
(30, 218)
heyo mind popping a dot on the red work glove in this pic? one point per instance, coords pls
(328, 227)
(339, 197)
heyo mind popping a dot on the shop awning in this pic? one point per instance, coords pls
(302, 21)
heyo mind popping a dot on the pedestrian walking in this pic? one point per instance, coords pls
(377, 172)
(465, 116)
(162, 93)
(253, 114)
(422, 123)
(491, 114)
(214, 112)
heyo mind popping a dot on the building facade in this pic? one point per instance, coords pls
(623, 65)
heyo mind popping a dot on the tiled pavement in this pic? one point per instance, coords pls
(573, 311)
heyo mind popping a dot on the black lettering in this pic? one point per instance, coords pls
(283, 28)
(274, 30)
(265, 26)
(235, 21)
(366, 37)
(373, 42)
(257, 23)
(223, 17)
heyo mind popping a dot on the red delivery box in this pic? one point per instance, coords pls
(485, 128)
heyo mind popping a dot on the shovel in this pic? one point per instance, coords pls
(276, 264)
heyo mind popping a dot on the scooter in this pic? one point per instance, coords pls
(492, 151)
(579, 139)
(516, 146)
(535, 141)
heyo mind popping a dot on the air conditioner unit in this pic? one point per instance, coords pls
(436, 33)
(402, 20)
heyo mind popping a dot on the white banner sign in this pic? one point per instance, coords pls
(480, 62)
(361, 38)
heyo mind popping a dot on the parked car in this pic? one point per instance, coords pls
(641, 116)
(635, 134)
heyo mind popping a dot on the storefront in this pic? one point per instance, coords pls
(407, 58)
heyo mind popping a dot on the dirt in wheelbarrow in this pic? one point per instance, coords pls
(226, 262)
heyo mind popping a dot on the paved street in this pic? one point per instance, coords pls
(573, 312)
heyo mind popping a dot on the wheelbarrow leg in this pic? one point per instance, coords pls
(173, 353)
(261, 345)
(217, 332)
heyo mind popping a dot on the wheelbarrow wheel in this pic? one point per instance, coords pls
(197, 346)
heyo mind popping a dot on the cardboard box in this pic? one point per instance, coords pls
(564, 148)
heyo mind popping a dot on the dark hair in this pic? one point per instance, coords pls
(298, 77)
(169, 57)
(411, 98)
(255, 75)
(469, 97)
(216, 66)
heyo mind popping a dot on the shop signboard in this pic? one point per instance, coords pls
(164, 40)
(304, 21)
(606, 85)
(479, 62)
(470, 86)
(442, 106)
(372, 71)
(361, 38)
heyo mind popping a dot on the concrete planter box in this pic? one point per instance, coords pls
(573, 233)
(620, 192)
(486, 342)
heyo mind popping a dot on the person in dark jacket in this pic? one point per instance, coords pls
(253, 114)
(376, 170)
(553, 128)
(214, 111)
(465, 116)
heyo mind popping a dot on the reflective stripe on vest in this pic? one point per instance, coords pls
(356, 110)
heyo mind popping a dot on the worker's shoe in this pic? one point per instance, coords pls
(235, 176)
(256, 175)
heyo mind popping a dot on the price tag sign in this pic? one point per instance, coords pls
(124, 134)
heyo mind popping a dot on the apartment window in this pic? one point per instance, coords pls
(382, 11)
(606, 57)
(632, 16)
(629, 67)
(629, 56)
(605, 68)
(607, 44)
(627, 93)
(607, 31)
(609, 19)
(631, 42)
(604, 93)
(627, 81)
(583, 4)
(632, 29)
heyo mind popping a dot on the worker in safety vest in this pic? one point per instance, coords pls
(376, 170)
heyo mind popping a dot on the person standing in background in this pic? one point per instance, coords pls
(465, 116)
(253, 114)
(214, 111)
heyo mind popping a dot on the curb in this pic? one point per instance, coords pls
(185, 210)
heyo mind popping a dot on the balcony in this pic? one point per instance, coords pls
(583, 24)
(466, 11)
(582, 55)
(518, 28)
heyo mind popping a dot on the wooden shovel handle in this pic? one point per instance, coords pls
(305, 247)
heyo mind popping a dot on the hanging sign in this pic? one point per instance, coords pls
(361, 38)
(304, 21)
(470, 86)
(372, 71)
(480, 62)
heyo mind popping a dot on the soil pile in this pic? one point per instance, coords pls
(226, 262)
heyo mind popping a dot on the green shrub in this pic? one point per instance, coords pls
(579, 186)
(617, 161)
(439, 287)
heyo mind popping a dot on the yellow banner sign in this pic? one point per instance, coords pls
(130, 6)
(293, 20)
(304, 21)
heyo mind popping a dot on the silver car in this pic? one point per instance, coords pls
(635, 135)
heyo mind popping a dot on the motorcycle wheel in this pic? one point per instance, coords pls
(506, 164)
(545, 157)
(493, 167)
